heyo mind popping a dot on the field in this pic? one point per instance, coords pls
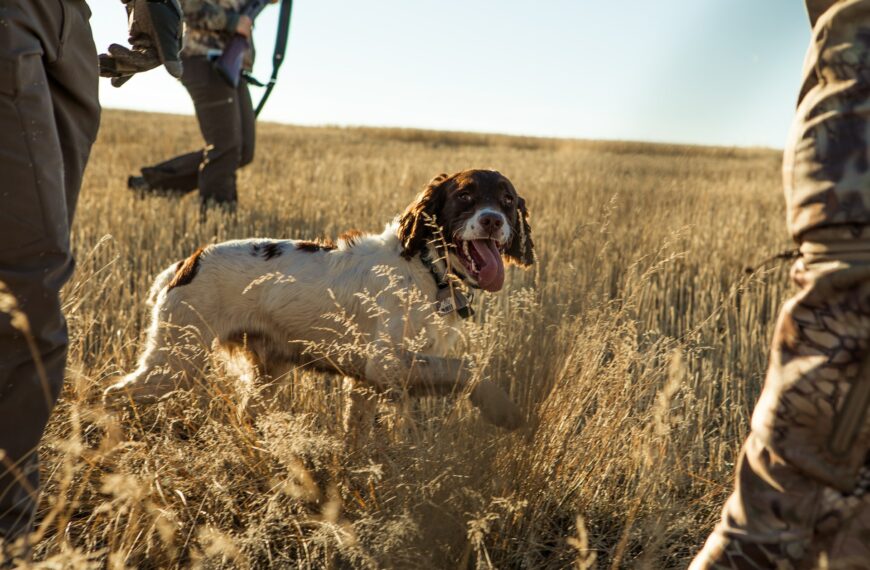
(636, 347)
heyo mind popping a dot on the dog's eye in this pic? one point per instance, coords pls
(464, 197)
(508, 199)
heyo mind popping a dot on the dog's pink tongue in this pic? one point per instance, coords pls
(491, 274)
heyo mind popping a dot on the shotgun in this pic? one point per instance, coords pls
(229, 64)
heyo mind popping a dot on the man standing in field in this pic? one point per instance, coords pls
(802, 495)
(49, 117)
(224, 111)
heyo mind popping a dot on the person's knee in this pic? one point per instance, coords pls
(225, 152)
(36, 289)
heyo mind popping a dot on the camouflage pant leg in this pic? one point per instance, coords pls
(825, 165)
(850, 547)
(798, 487)
(799, 496)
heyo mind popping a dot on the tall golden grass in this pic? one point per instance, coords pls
(636, 347)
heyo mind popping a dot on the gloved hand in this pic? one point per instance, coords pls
(155, 37)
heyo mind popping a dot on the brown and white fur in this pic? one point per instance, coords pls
(270, 298)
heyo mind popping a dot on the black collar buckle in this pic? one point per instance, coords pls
(451, 297)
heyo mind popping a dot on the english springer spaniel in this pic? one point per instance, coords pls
(399, 296)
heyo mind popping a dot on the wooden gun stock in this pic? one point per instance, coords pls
(229, 64)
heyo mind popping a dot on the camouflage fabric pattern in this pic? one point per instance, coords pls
(797, 500)
(825, 167)
(209, 25)
(802, 492)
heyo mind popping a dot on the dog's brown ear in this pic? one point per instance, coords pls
(416, 223)
(521, 249)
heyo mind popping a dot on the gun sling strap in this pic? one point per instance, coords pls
(277, 57)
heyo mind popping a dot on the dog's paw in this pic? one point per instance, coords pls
(130, 389)
(495, 406)
(119, 393)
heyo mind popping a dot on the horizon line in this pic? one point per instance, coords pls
(473, 132)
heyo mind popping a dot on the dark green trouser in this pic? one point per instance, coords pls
(49, 116)
(226, 119)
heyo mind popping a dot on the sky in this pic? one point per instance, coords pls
(717, 72)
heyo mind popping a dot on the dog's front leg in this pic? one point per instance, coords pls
(424, 375)
(360, 411)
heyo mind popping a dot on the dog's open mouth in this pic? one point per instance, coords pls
(481, 258)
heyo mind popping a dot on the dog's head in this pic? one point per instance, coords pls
(481, 218)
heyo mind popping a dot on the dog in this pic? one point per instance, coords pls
(277, 302)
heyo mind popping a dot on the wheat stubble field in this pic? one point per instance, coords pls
(636, 348)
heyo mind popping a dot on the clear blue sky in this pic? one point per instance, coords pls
(723, 72)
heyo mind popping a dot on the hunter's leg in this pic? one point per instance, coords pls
(49, 115)
(798, 495)
(218, 113)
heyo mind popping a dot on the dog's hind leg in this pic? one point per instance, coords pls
(176, 352)
(251, 358)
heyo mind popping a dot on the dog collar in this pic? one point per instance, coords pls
(451, 296)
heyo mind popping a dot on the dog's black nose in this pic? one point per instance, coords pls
(491, 222)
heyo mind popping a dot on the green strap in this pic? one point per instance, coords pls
(280, 49)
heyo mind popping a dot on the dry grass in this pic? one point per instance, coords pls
(636, 347)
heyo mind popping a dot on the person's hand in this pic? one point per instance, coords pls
(245, 25)
(155, 37)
